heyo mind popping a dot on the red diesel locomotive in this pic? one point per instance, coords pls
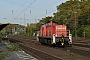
(52, 33)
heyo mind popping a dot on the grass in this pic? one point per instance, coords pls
(10, 47)
(13, 47)
(3, 55)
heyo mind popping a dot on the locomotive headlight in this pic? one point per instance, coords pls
(62, 44)
(60, 40)
(56, 35)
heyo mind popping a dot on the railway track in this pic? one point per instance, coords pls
(40, 55)
(78, 50)
(80, 46)
(83, 51)
(83, 43)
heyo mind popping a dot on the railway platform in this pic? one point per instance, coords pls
(15, 55)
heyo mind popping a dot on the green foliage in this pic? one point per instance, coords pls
(87, 31)
(13, 47)
(46, 19)
(80, 32)
(31, 29)
(74, 9)
(12, 28)
(3, 55)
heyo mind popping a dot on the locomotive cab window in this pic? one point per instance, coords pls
(54, 24)
(47, 24)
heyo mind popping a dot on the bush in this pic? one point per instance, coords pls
(80, 32)
(87, 31)
(13, 47)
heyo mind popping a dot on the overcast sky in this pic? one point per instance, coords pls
(16, 11)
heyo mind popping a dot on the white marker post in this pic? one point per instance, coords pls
(70, 37)
(54, 39)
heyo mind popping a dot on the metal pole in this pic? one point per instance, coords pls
(84, 33)
(75, 26)
(24, 18)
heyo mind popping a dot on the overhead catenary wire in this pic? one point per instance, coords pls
(45, 9)
(26, 8)
(13, 10)
(12, 2)
(21, 5)
(19, 8)
(17, 4)
(44, 14)
(31, 7)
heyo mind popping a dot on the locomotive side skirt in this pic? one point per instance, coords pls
(53, 40)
